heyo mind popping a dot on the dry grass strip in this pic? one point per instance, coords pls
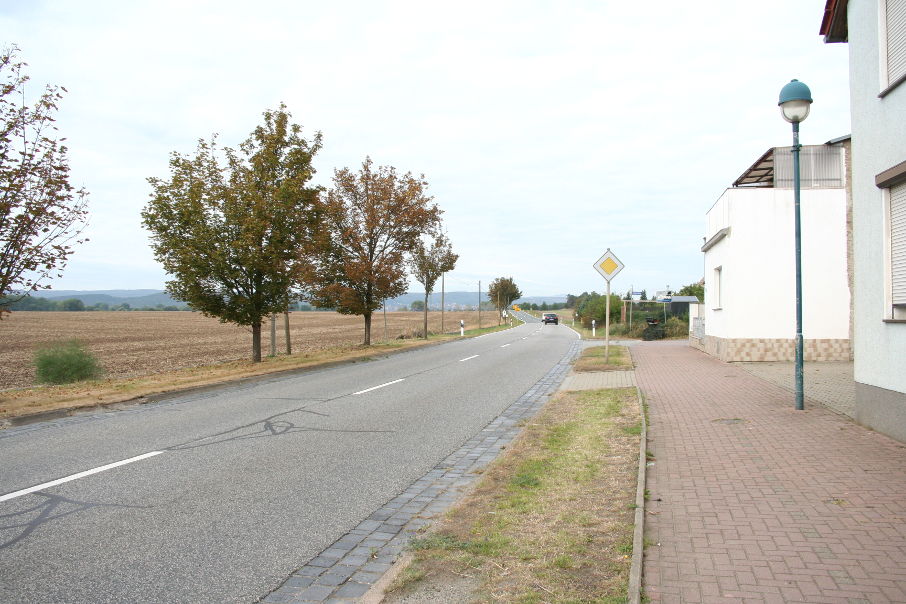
(592, 359)
(551, 520)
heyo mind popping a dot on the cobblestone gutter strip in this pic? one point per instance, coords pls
(345, 571)
(634, 590)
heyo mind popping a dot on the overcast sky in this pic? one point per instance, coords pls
(548, 131)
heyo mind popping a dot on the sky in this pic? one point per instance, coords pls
(549, 132)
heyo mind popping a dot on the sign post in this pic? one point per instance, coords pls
(608, 266)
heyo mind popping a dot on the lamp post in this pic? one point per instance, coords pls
(795, 101)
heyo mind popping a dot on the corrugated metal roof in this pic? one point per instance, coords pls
(759, 174)
(822, 168)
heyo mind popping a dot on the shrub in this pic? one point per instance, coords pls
(622, 329)
(64, 363)
(676, 328)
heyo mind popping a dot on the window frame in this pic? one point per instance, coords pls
(718, 286)
(887, 82)
(893, 312)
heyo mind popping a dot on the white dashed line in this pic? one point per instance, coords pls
(58, 481)
(376, 387)
(504, 345)
(467, 358)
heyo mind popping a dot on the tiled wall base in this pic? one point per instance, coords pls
(772, 349)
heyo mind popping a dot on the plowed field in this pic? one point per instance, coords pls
(130, 344)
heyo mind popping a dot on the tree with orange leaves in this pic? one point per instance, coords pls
(371, 220)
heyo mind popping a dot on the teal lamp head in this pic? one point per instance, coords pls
(795, 101)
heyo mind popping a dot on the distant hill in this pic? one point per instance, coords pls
(77, 293)
(151, 298)
(135, 298)
(541, 299)
(456, 300)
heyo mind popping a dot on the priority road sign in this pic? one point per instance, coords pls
(608, 265)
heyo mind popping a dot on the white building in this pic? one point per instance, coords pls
(876, 33)
(749, 311)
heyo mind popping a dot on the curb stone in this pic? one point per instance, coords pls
(634, 589)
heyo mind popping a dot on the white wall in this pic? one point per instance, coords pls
(758, 288)
(879, 143)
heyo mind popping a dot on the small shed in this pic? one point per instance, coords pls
(679, 305)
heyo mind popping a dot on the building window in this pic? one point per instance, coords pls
(892, 30)
(716, 288)
(895, 215)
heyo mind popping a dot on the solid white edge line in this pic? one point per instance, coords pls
(376, 387)
(54, 483)
(468, 358)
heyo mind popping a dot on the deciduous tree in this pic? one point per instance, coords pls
(231, 227)
(41, 214)
(373, 218)
(428, 262)
(694, 289)
(502, 292)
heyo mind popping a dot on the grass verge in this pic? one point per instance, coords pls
(44, 399)
(552, 519)
(593, 359)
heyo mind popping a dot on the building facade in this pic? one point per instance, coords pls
(876, 33)
(749, 311)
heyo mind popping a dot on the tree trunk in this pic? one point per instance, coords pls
(367, 329)
(426, 315)
(256, 342)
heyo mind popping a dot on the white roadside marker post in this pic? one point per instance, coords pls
(462, 328)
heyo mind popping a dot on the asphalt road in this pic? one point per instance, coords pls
(227, 492)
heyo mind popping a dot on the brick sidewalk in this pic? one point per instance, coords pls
(752, 501)
(829, 383)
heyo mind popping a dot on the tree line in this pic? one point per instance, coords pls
(242, 233)
(35, 303)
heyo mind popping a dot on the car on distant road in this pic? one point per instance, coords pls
(550, 317)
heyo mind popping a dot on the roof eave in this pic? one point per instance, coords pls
(834, 26)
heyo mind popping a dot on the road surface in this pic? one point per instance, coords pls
(218, 496)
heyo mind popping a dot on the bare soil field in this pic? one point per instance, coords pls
(136, 343)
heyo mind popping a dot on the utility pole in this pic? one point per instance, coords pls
(273, 334)
(479, 305)
(289, 346)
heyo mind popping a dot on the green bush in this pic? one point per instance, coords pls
(622, 329)
(64, 363)
(676, 328)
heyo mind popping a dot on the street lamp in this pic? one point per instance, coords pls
(795, 101)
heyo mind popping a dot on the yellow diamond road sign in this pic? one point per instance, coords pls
(608, 265)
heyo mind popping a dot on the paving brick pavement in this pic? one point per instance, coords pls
(829, 383)
(593, 380)
(753, 501)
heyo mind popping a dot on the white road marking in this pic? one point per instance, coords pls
(504, 346)
(468, 358)
(54, 483)
(376, 387)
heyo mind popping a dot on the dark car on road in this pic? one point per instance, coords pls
(550, 317)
